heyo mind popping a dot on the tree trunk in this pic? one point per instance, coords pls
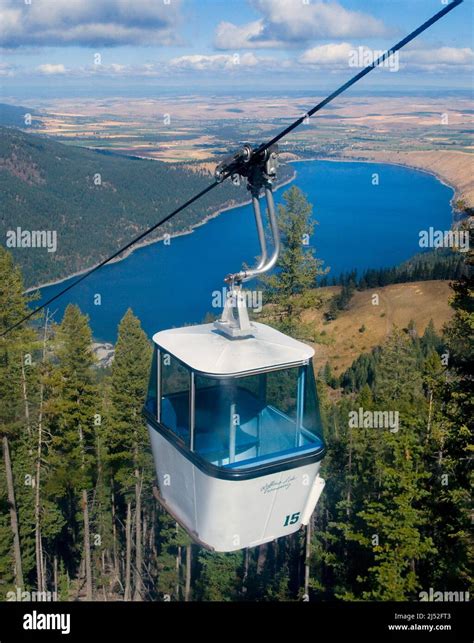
(145, 536)
(307, 559)
(138, 539)
(187, 586)
(25, 398)
(13, 513)
(87, 546)
(152, 543)
(178, 569)
(40, 575)
(430, 415)
(128, 552)
(45, 570)
(87, 540)
(55, 578)
(114, 536)
(349, 478)
(262, 556)
(294, 547)
(246, 571)
(40, 580)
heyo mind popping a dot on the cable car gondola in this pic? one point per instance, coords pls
(232, 411)
(231, 408)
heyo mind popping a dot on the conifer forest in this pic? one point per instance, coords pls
(79, 514)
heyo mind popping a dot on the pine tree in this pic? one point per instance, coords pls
(393, 514)
(72, 407)
(377, 514)
(430, 340)
(293, 288)
(220, 577)
(129, 456)
(13, 349)
(171, 569)
(451, 442)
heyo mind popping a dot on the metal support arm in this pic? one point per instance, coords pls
(260, 172)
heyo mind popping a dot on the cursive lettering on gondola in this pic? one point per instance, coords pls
(275, 485)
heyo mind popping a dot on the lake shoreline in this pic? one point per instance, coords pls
(456, 188)
(145, 243)
(155, 283)
(220, 211)
(348, 159)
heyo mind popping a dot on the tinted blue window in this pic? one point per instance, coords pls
(175, 380)
(256, 417)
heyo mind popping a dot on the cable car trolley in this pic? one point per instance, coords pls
(232, 410)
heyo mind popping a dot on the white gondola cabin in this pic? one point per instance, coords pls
(235, 432)
(232, 411)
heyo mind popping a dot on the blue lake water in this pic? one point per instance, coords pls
(361, 226)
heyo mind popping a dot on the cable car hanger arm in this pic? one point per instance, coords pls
(245, 156)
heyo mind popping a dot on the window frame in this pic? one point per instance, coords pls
(187, 449)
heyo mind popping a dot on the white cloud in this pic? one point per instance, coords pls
(115, 69)
(6, 70)
(291, 22)
(333, 54)
(94, 23)
(216, 62)
(339, 56)
(230, 36)
(50, 69)
(440, 57)
(331, 57)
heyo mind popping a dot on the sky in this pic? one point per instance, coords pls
(142, 46)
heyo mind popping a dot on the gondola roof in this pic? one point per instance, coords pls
(204, 349)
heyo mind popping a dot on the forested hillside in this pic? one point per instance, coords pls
(95, 202)
(16, 115)
(435, 264)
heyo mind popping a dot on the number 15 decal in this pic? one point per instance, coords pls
(290, 520)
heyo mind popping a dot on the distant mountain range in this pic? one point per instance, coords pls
(93, 202)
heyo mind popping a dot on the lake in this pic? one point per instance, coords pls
(361, 225)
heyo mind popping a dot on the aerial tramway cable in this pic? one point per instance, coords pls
(245, 157)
